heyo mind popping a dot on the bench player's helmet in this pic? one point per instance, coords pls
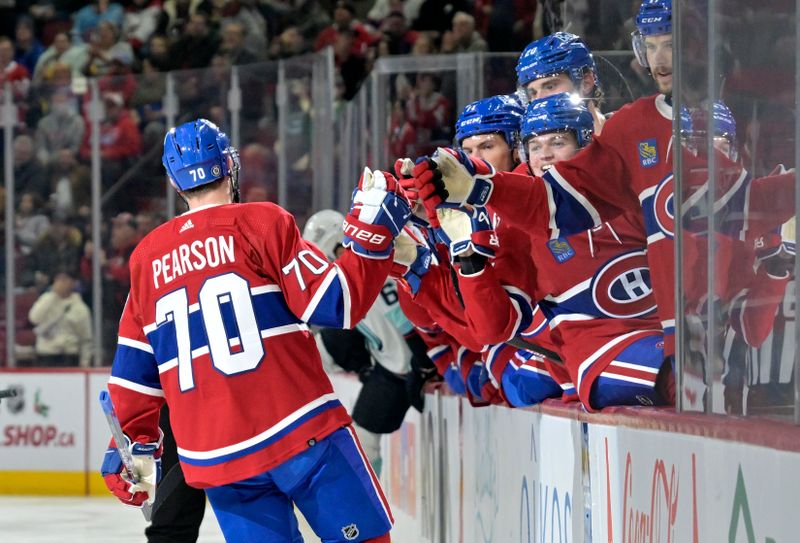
(654, 17)
(501, 114)
(694, 127)
(198, 153)
(559, 113)
(324, 229)
(724, 123)
(559, 53)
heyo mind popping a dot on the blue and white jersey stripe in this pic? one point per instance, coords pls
(261, 440)
(135, 368)
(272, 316)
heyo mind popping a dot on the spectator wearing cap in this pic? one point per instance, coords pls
(463, 38)
(61, 128)
(63, 324)
(344, 19)
(62, 51)
(106, 48)
(88, 18)
(29, 48)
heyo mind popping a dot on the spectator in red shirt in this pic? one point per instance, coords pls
(344, 19)
(12, 72)
(120, 144)
(119, 137)
(402, 135)
(429, 112)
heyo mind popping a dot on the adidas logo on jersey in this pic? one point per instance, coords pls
(187, 225)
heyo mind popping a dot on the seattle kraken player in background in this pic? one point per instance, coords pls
(383, 349)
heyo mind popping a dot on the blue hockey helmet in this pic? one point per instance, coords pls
(694, 126)
(497, 114)
(724, 123)
(654, 17)
(557, 53)
(687, 123)
(198, 153)
(559, 113)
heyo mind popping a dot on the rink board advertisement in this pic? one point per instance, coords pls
(662, 486)
(522, 477)
(43, 433)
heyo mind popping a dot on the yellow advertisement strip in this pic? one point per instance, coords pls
(43, 483)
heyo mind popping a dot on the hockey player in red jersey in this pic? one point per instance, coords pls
(593, 287)
(626, 169)
(216, 325)
(487, 128)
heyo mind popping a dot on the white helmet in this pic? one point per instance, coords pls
(324, 229)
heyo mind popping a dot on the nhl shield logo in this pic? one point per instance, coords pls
(648, 153)
(15, 404)
(350, 532)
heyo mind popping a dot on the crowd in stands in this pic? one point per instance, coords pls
(50, 51)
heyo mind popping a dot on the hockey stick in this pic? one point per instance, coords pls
(520, 343)
(8, 393)
(124, 453)
(171, 481)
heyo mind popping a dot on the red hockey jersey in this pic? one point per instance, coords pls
(216, 325)
(629, 167)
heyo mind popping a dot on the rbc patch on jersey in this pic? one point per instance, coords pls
(561, 249)
(648, 153)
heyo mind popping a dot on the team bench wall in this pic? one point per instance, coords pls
(461, 474)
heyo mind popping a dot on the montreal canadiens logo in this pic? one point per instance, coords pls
(664, 207)
(621, 289)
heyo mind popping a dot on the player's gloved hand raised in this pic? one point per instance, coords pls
(147, 470)
(467, 231)
(412, 259)
(422, 213)
(378, 211)
(453, 177)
